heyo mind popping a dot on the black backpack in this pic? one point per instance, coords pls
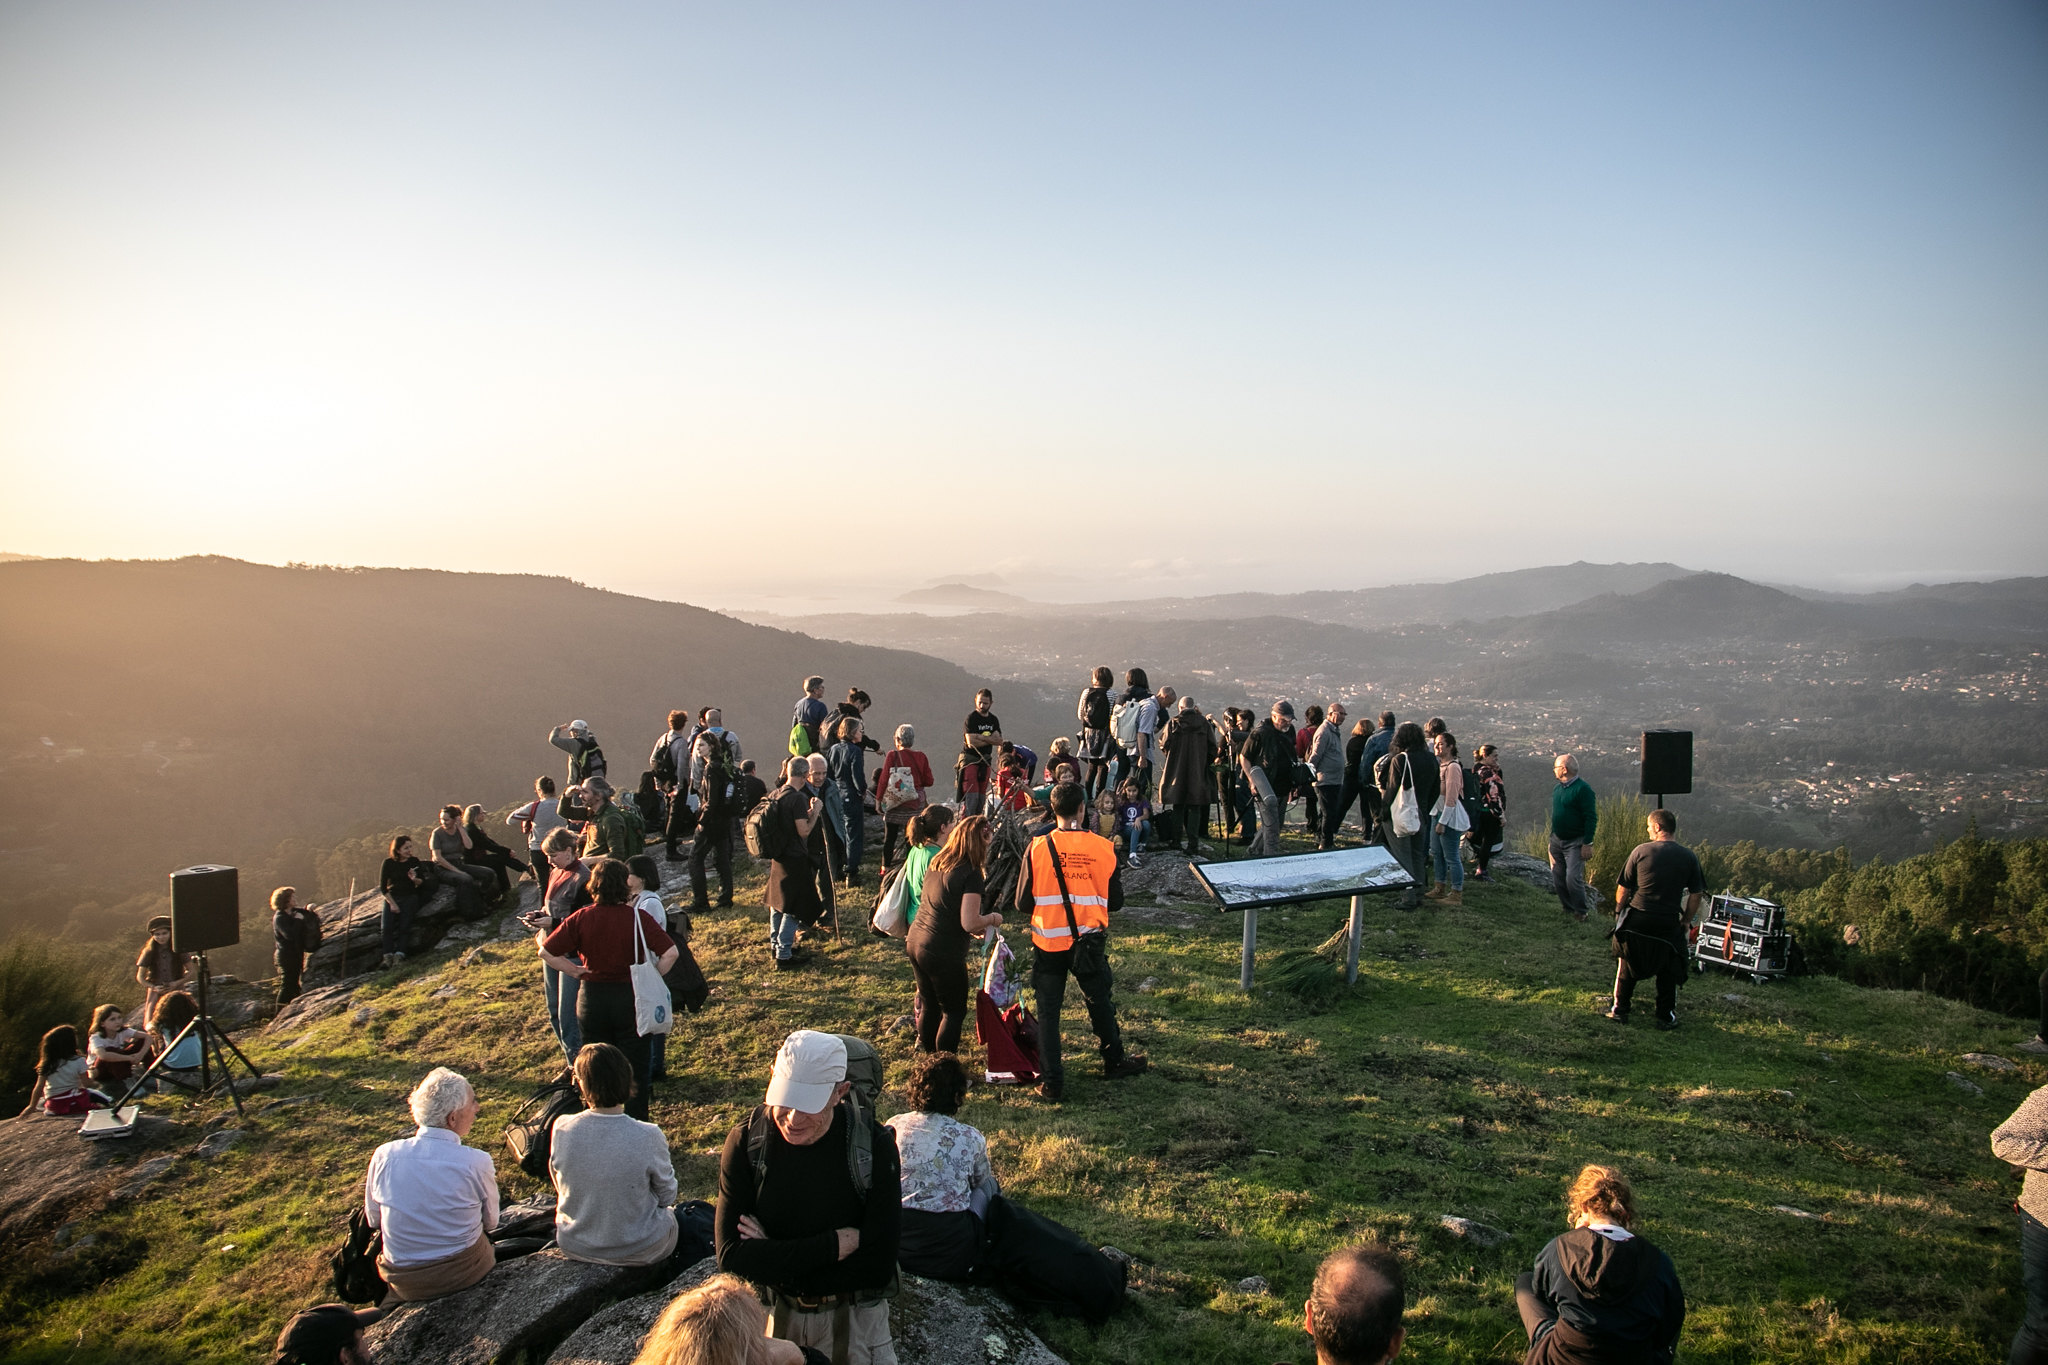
(720, 775)
(1095, 708)
(1468, 787)
(665, 763)
(356, 1278)
(770, 833)
(531, 1132)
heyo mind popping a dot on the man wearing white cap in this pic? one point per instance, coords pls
(585, 758)
(809, 1200)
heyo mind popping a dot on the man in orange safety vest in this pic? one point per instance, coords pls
(1069, 886)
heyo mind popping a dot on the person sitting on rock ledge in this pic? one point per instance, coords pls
(720, 1322)
(615, 1183)
(434, 1199)
(793, 1217)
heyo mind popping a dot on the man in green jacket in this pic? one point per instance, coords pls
(1574, 815)
(607, 835)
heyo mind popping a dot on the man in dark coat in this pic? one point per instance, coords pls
(1190, 749)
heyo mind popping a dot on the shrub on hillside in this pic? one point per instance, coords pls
(44, 983)
(1968, 921)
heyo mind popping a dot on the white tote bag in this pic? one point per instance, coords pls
(652, 1008)
(1406, 813)
(892, 911)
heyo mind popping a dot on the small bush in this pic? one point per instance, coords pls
(44, 983)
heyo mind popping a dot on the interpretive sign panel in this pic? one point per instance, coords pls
(1253, 882)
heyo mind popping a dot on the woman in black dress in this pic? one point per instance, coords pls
(949, 919)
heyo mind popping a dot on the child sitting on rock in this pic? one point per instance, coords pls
(60, 1076)
(113, 1049)
(1133, 819)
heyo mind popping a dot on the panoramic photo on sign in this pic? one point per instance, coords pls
(1302, 877)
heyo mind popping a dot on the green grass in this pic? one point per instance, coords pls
(1468, 1074)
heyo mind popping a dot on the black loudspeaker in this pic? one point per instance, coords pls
(1667, 762)
(206, 909)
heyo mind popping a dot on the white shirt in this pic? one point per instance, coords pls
(430, 1196)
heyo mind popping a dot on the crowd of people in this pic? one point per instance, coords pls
(853, 1197)
(819, 1202)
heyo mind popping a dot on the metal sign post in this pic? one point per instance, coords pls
(1250, 883)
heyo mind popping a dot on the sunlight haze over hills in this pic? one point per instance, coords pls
(1757, 289)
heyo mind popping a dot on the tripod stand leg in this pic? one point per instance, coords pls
(227, 1077)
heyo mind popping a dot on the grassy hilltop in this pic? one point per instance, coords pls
(1467, 1075)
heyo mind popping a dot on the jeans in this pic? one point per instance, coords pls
(1088, 963)
(856, 836)
(714, 838)
(1133, 833)
(396, 925)
(562, 992)
(1333, 812)
(1245, 804)
(782, 934)
(2030, 1343)
(1568, 875)
(604, 1014)
(1446, 862)
(1266, 841)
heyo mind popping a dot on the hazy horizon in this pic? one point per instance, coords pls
(1152, 301)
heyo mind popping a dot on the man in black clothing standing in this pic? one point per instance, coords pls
(1268, 764)
(1660, 889)
(296, 928)
(809, 1203)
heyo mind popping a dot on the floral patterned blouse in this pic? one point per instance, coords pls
(944, 1162)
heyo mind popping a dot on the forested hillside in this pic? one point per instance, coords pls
(160, 714)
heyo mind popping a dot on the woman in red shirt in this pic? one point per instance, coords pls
(603, 935)
(898, 805)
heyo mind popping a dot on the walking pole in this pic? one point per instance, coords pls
(347, 908)
(1357, 930)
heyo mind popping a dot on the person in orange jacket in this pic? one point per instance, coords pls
(1069, 885)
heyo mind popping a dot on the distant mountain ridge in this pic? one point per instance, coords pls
(213, 707)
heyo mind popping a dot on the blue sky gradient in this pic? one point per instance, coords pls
(1145, 297)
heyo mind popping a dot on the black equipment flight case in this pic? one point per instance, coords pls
(1743, 934)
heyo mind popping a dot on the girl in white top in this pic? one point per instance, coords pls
(643, 876)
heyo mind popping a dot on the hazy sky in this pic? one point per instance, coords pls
(1153, 297)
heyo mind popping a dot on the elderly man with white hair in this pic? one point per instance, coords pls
(434, 1199)
(1574, 816)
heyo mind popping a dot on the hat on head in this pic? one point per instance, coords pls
(317, 1335)
(581, 727)
(159, 922)
(807, 1069)
(1285, 708)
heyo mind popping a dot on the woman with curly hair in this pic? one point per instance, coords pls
(1601, 1294)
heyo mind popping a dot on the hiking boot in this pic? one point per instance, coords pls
(1051, 1091)
(1452, 898)
(784, 964)
(1130, 1064)
(1435, 892)
(1607, 1011)
(1667, 1023)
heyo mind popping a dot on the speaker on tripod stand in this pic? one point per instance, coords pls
(206, 913)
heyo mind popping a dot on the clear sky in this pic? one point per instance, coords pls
(1145, 297)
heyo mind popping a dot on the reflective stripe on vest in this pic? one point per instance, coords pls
(1088, 861)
